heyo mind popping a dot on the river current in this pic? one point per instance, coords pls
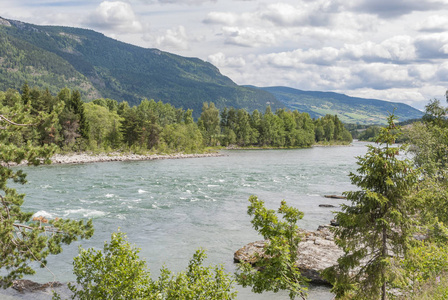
(170, 208)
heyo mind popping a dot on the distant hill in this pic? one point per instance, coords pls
(349, 109)
(55, 57)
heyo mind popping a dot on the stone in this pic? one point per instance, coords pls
(335, 197)
(316, 252)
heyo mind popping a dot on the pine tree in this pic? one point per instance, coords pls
(375, 229)
(23, 240)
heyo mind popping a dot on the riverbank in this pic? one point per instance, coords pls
(82, 158)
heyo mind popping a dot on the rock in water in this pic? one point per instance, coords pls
(317, 251)
(335, 197)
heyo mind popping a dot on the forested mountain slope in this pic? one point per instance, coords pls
(57, 57)
(349, 109)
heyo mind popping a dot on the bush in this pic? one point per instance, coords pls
(117, 272)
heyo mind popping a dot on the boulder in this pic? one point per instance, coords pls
(316, 252)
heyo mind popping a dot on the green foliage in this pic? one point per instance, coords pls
(208, 123)
(424, 261)
(435, 288)
(375, 230)
(197, 282)
(276, 269)
(104, 126)
(369, 134)
(114, 273)
(331, 129)
(117, 272)
(182, 138)
(430, 147)
(23, 240)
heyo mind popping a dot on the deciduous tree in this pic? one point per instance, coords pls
(276, 269)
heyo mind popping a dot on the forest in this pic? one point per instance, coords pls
(106, 125)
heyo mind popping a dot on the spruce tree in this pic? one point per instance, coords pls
(77, 106)
(374, 230)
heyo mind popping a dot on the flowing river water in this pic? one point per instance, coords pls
(170, 208)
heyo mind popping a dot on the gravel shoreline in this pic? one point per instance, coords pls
(82, 158)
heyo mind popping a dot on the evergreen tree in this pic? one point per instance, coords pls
(77, 106)
(23, 240)
(25, 93)
(374, 230)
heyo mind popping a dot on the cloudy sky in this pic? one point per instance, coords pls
(393, 50)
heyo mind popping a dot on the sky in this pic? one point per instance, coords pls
(395, 50)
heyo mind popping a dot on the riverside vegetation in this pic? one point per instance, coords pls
(106, 125)
(397, 201)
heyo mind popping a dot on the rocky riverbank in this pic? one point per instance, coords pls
(82, 158)
(317, 251)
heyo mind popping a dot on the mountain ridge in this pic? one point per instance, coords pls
(349, 109)
(55, 57)
(112, 69)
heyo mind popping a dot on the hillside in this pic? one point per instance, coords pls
(54, 57)
(349, 109)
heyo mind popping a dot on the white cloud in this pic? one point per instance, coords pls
(180, 2)
(114, 16)
(442, 72)
(175, 38)
(396, 49)
(434, 23)
(248, 37)
(223, 18)
(305, 13)
(219, 59)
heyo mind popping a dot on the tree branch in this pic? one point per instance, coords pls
(13, 123)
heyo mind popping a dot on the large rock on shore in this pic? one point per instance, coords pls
(316, 252)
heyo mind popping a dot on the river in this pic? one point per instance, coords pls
(170, 208)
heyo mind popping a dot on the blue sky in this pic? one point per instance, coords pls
(394, 50)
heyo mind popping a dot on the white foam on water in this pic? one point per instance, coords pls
(121, 217)
(47, 186)
(140, 191)
(87, 213)
(43, 213)
(109, 195)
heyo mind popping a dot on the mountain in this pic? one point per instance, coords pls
(55, 57)
(349, 109)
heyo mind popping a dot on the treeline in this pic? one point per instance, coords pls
(105, 124)
(283, 128)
